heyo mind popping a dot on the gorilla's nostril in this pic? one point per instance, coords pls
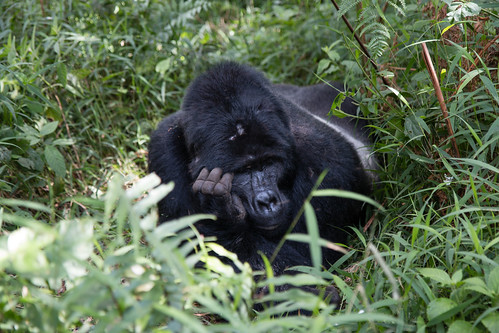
(267, 202)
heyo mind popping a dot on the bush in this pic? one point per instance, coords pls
(83, 83)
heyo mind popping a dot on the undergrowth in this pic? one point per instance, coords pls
(82, 85)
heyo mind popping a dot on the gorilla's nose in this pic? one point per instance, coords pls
(267, 203)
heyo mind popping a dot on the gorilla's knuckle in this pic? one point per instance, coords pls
(208, 187)
(196, 187)
(220, 189)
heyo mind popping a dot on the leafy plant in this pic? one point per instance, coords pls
(82, 84)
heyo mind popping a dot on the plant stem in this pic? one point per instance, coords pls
(440, 97)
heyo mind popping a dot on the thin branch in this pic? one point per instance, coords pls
(440, 97)
(362, 46)
(43, 9)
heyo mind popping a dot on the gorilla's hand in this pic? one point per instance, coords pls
(218, 185)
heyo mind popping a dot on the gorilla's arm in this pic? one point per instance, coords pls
(209, 193)
(169, 159)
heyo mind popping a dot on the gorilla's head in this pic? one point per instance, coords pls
(233, 121)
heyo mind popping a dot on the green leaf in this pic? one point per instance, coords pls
(490, 87)
(421, 159)
(26, 162)
(163, 66)
(5, 155)
(439, 306)
(335, 107)
(491, 321)
(48, 128)
(493, 129)
(306, 238)
(323, 65)
(476, 284)
(491, 243)
(446, 28)
(386, 73)
(442, 309)
(62, 74)
(63, 142)
(412, 127)
(182, 317)
(400, 96)
(493, 280)
(460, 326)
(457, 276)
(313, 231)
(35, 107)
(36, 91)
(24, 203)
(467, 78)
(436, 274)
(348, 195)
(473, 132)
(479, 164)
(295, 280)
(55, 160)
(33, 155)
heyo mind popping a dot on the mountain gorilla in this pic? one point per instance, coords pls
(250, 152)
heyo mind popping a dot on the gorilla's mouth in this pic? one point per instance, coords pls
(269, 225)
(266, 227)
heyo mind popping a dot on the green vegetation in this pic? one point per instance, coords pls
(83, 83)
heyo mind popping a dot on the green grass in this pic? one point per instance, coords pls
(83, 84)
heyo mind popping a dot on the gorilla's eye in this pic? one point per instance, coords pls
(240, 131)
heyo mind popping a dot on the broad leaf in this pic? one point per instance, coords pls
(55, 160)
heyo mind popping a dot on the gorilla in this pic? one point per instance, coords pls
(250, 152)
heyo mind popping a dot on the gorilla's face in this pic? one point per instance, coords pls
(264, 197)
(246, 133)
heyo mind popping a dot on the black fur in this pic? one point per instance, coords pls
(267, 138)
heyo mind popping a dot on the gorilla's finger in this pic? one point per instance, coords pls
(203, 174)
(226, 181)
(215, 175)
(196, 187)
(238, 205)
(208, 187)
(219, 190)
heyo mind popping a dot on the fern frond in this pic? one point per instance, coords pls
(345, 6)
(399, 9)
(378, 32)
